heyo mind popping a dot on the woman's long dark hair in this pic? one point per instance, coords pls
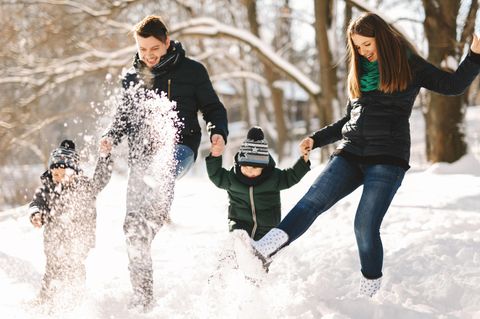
(392, 54)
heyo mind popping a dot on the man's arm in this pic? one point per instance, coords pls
(214, 113)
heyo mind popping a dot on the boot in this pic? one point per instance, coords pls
(369, 287)
(142, 283)
(269, 244)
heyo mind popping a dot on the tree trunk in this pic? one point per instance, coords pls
(444, 116)
(445, 137)
(328, 76)
(271, 77)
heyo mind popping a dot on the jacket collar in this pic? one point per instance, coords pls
(267, 171)
(172, 58)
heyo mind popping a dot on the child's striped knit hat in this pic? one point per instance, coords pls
(254, 150)
(64, 156)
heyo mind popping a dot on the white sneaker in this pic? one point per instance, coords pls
(272, 242)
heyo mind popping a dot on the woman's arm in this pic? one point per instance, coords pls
(331, 133)
(449, 83)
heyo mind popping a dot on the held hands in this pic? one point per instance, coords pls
(306, 146)
(475, 47)
(106, 145)
(218, 145)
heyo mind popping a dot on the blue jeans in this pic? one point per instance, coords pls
(184, 158)
(339, 178)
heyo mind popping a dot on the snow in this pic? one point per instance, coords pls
(431, 238)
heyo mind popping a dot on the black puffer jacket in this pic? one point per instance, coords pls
(186, 82)
(377, 124)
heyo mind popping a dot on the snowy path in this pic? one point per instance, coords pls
(431, 236)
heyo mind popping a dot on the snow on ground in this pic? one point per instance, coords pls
(431, 237)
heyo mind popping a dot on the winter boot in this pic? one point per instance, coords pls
(142, 283)
(269, 244)
(369, 287)
(142, 301)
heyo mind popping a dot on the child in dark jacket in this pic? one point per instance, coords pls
(254, 183)
(65, 205)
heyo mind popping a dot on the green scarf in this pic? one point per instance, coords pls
(370, 77)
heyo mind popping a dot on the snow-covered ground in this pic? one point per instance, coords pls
(431, 237)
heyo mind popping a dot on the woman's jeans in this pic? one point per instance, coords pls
(340, 178)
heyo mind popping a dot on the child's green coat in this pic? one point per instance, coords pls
(254, 204)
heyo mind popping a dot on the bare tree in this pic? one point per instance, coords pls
(444, 116)
(271, 76)
(328, 76)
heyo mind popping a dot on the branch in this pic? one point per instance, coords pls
(47, 77)
(69, 3)
(83, 8)
(188, 7)
(69, 67)
(361, 6)
(6, 125)
(38, 126)
(239, 74)
(212, 28)
(408, 19)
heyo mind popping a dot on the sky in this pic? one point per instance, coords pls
(431, 238)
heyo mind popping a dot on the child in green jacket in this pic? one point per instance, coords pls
(254, 183)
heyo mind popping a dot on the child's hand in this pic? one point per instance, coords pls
(36, 220)
(106, 145)
(306, 146)
(218, 145)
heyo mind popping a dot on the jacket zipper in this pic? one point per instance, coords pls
(254, 213)
(168, 88)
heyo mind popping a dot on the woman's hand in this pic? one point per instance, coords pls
(475, 47)
(306, 146)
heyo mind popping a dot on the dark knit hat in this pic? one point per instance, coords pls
(64, 156)
(254, 150)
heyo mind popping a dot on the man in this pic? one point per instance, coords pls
(159, 66)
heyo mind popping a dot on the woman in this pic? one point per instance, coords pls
(385, 76)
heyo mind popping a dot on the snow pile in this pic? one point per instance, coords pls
(431, 269)
(468, 164)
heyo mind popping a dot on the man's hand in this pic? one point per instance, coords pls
(218, 145)
(106, 145)
(36, 220)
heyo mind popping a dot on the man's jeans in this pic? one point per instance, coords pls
(148, 208)
(184, 158)
(340, 178)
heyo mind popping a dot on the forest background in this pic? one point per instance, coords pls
(278, 64)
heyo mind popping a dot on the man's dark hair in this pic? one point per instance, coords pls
(152, 26)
